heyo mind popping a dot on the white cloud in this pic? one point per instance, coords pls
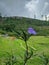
(4, 10)
(31, 6)
(48, 17)
(45, 6)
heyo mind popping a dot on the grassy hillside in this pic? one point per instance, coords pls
(7, 24)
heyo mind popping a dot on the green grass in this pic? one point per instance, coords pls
(17, 47)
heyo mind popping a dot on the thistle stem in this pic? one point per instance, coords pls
(26, 53)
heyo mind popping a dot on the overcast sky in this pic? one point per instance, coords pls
(25, 8)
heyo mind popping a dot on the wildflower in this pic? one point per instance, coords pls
(31, 31)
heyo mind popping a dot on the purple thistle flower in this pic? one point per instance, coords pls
(31, 31)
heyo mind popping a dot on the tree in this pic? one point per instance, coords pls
(0, 17)
(34, 16)
(0, 14)
(45, 17)
(42, 16)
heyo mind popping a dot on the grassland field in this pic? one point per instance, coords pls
(17, 47)
(10, 45)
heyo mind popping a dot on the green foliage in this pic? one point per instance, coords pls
(27, 54)
(9, 24)
(41, 43)
(9, 59)
(45, 59)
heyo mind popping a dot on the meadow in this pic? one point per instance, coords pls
(9, 46)
(13, 50)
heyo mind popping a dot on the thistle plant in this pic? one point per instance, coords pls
(28, 54)
(25, 36)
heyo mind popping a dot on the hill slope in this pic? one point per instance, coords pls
(7, 24)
